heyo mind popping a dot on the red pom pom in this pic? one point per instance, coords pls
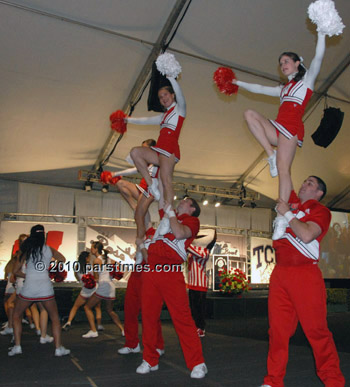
(114, 180)
(223, 77)
(88, 281)
(117, 121)
(106, 177)
(115, 273)
(57, 272)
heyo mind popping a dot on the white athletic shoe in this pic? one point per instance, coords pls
(154, 190)
(6, 331)
(90, 334)
(31, 326)
(66, 326)
(279, 227)
(100, 327)
(46, 339)
(127, 350)
(145, 368)
(160, 351)
(272, 160)
(15, 350)
(265, 385)
(199, 371)
(25, 321)
(38, 332)
(61, 351)
(164, 226)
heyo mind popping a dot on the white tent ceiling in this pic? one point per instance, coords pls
(66, 65)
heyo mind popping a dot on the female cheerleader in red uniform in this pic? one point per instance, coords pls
(287, 131)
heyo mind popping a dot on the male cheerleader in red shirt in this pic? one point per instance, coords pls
(164, 282)
(297, 291)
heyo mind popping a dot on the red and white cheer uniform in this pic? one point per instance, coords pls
(106, 287)
(170, 124)
(169, 286)
(37, 285)
(294, 96)
(297, 293)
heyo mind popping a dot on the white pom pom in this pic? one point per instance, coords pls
(168, 65)
(326, 17)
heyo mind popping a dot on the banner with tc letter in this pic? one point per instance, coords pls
(262, 258)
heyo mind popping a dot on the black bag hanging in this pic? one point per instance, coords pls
(157, 81)
(329, 127)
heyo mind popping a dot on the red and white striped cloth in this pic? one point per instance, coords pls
(197, 260)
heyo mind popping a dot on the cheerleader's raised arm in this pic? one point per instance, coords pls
(315, 66)
(180, 98)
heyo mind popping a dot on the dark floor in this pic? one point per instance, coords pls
(235, 351)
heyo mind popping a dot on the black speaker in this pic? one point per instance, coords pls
(329, 127)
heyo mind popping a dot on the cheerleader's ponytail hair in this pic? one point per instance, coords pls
(295, 57)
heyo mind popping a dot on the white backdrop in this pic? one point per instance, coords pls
(9, 232)
(262, 257)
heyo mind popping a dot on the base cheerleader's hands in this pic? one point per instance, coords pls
(282, 207)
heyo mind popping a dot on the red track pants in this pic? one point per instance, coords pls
(132, 308)
(297, 293)
(168, 287)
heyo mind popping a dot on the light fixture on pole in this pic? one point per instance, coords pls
(217, 202)
(88, 186)
(205, 201)
(105, 188)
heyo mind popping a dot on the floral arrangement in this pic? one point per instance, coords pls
(233, 281)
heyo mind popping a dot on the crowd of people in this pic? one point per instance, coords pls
(297, 291)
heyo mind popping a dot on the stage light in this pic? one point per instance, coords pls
(175, 197)
(88, 186)
(105, 188)
(204, 201)
(217, 204)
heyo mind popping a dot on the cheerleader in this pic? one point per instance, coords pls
(105, 290)
(13, 287)
(10, 291)
(166, 153)
(37, 286)
(286, 132)
(85, 293)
